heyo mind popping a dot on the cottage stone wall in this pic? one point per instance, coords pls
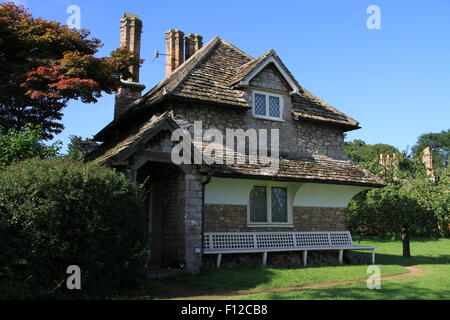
(182, 221)
(298, 139)
(193, 222)
(233, 218)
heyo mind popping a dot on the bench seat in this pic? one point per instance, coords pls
(263, 242)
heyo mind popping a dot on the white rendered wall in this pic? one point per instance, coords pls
(325, 195)
(237, 191)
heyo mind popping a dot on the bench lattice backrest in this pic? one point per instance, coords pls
(261, 240)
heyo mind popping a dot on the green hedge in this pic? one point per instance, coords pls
(56, 213)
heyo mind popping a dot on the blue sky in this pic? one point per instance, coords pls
(395, 80)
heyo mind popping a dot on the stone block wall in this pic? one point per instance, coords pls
(298, 139)
(233, 218)
(193, 222)
(270, 78)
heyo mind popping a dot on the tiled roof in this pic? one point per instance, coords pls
(204, 76)
(122, 148)
(318, 170)
(309, 107)
(210, 76)
(315, 170)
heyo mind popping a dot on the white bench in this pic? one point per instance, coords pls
(263, 242)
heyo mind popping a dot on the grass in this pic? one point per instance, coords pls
(432, 255)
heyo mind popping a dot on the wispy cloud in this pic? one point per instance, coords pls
(20, 2)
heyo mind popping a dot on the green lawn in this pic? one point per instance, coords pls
(432, 255)
(429, 254)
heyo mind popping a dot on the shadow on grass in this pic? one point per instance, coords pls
(392, 291)
(212, 282)
(229, 280)
(382, 258)
(357, 239)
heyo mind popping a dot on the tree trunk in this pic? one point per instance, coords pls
(405, 239)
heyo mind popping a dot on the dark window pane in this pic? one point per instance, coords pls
(279, 205)
(258, 204)
(260, 104)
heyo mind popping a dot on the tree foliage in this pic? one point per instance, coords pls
(44, 64)
(410, 203)
(440, 148)
(79, 147)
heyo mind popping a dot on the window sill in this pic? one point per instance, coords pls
(270, 225)
(268, 119)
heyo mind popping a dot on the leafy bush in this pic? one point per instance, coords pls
(57, 213)
(20, 145)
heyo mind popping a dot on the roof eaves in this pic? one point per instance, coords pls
(294, 179)
(312, 118)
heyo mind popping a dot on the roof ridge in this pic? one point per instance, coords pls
(242, 69)
(186, 65)
(235, 48)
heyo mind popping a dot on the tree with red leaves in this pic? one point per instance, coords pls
(44, 64)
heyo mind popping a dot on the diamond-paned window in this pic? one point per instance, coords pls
(260, 104)
(267, 106)
(258, 204)
(279, 204)
(268, 205)
(274, 107)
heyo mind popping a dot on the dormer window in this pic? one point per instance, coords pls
(267, 106)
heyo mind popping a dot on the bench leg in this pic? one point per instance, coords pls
(264, 258)
(373, 256)
(305, 258)
(341, 253)
(218, 260)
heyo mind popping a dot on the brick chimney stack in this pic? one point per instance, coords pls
(174, 50)
(193, 43)
(130, 89)
(427, 159)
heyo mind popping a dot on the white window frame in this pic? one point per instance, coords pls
(267, 116)
(269, 223)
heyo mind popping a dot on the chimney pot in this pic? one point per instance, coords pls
(193, 43)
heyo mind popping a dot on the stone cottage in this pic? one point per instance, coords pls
(223, 87)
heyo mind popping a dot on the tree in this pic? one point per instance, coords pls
(79, 148)
(44, 64)
(20, 145)
(410, 204)
(368, 156)
(389, 212)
